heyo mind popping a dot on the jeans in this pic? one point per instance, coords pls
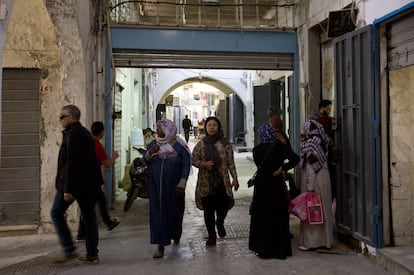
(87, 202)
(103, 209)
(57, 214)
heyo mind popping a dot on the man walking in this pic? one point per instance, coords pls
(78, 178)
(98, 132)
(187, 126)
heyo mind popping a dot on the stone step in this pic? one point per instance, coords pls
(398, 260)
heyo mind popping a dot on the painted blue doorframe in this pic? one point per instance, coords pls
(231, 41)
(377, 91)
(108, 126)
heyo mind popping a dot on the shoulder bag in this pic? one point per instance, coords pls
(252, 180)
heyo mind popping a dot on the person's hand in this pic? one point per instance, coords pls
(278, 172)
(115, 155)
(208, 164)
(155, 148)
(235, 184)
(68, 197)
(179, 191)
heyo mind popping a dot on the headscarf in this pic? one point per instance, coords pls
(170, 130)
(210, 151)
(267, 134)
(315, 146)
(277, 123)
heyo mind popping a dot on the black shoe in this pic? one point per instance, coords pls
(113, 225)
(211, 241)
(221, 231)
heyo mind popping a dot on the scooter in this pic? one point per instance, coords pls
(138, 174)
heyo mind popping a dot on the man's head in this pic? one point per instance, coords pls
(325, 107)
(97, 128)
(186, 116)
(69, 114)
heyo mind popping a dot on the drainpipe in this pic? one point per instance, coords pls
(108, 71)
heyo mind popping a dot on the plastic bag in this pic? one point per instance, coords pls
(308, 208)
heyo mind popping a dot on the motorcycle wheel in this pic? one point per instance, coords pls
(131, 196)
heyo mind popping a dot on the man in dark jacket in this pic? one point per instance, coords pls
(78, 178)
(186, 126)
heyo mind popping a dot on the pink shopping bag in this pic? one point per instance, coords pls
(308, 208)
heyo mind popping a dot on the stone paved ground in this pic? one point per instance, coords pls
(126, 250)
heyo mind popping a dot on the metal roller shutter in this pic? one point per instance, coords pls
(203, 60)
(401, 42)
(20, 148)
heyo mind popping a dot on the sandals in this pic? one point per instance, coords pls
(159, 253)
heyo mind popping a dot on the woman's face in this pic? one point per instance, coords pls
(160, 132)
(212, 127)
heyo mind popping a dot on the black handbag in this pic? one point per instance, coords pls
(252, 180)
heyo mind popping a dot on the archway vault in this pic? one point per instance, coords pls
(142, 47)
(206, 80)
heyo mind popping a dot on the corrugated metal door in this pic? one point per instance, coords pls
(20, 153)
(356, 137)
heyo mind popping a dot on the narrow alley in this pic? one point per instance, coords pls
(127, 250)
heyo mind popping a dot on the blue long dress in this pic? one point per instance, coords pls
(166, 209)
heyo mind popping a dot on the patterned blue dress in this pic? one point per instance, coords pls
(166, 208)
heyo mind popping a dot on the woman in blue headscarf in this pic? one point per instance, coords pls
(269, 227)
(169, 160)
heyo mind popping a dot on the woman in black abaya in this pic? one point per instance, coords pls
(269, 227)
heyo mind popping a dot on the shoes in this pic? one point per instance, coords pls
(176, 242)
(159, 253)
(114, 224)
(80, 238)
(65, 258)
(221, 231)
(303, 248)
(211, 241)
(89, 259)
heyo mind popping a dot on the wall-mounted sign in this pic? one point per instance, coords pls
(341, 22)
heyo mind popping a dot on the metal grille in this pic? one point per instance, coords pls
(355, 139)
(236, 14)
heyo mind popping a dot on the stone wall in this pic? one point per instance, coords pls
(402, 154)
(50, 38)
